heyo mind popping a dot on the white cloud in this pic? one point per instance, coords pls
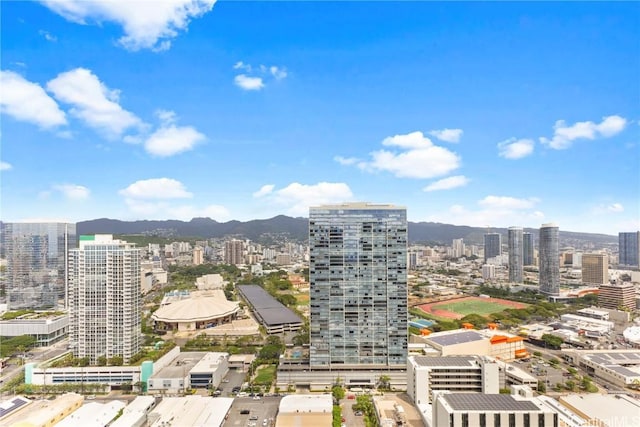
(604, 209)
(248, 83)
(410, 140)
(447, 135)
(242, 66)
(616, 207)
(146, 24)
(493, 210)
(27, 101)
(93, 102)
(346, 161)
(166, 116)
(277, 72)
(514, 148)
(170, 140)
(505, 202)
(264, 190)
(48, 36)
(156, 188)
(296, 198)
(73, 191)
(564, 135)
(254, 78)
(448, 183)
(4, 166)
(421, 160)
(165, 210)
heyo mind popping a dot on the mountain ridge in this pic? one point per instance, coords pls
(297, 228)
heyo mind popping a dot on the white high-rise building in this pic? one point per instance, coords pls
(104, 298)
(358, 286)
(458, 248)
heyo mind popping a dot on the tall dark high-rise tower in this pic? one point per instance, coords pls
(549, 257)
(492, 245)
(515, 238)
(629, 249)
(527, 249)
(358, 286)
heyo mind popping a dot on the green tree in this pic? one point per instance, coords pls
(552, 341)
(116, 361)
(337, 392)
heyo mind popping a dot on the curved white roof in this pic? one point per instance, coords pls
(632, 334)
(195, 310)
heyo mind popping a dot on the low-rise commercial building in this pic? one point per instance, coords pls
(619, 367)
(305, 410)
(190, 370)
(135, 414)
(489, 342)
(192, 411)
(272, 314)
(604, 410)
(93, 414)
(46, 329)
(44, 412)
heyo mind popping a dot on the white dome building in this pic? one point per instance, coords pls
(195, 313)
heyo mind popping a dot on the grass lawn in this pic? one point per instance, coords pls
(483, 308)
(265, 375)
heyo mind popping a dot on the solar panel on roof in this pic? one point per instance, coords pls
(456, 338)
(487, 402)
(12, 405)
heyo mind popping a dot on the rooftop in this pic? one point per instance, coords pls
(197, 309)
(455, 337)
(445, 361)
(194, 411)
(295, 403)
(267, 308)
(487, 402)
(93, 414)
(181, 365)
(210, 362)
(610, 409)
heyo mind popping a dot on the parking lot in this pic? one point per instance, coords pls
(250, 412)
(232, 379)
(544, 371)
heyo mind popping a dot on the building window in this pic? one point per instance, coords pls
(496, 420)
(483, 420)
(527, 420)
(512, 420)
(465, 420)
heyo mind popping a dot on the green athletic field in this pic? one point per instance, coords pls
(483, 308)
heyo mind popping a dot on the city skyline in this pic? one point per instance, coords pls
(460, 118)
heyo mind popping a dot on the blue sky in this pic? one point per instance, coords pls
(477, 114)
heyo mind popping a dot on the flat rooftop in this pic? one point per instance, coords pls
(209, 362)
(269, 310)
(488, 402)
(455, 337)
(613, 410)
(194, 411)
(181, 365)
(445, 361)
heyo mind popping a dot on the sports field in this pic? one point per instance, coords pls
(460, 307)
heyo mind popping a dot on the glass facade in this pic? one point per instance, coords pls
(104, 298)
(629, 249)
(492, 245)
(515, 254)
(549, 257)
(36, 263)
(358, 285)
(527, 249)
